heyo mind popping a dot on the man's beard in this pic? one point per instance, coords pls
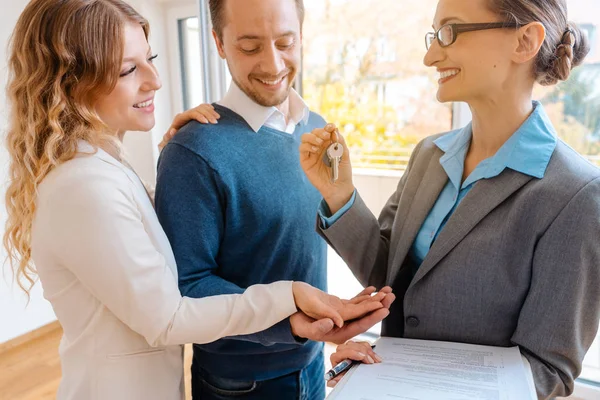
(272, 101)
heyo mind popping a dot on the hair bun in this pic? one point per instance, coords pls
(570, 52)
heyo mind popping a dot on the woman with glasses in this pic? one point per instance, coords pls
(492, 235)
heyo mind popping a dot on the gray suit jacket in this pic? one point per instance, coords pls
(518, 263)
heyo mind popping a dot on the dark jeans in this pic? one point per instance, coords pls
(307, 384)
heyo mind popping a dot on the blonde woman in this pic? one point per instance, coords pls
(81, 76)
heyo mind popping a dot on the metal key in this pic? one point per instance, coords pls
(334, 153)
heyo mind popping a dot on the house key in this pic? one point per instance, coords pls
(334, 152)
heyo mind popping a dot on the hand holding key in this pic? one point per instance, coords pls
(325, 159)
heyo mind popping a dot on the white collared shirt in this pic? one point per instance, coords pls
(258, 116)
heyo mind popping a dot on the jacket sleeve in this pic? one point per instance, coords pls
(97, 232)
(559, 318)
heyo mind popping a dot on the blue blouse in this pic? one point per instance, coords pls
(527, 151)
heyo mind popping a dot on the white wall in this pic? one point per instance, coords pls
(15, 318)
(142, 146)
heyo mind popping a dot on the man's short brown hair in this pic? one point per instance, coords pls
(217, 14)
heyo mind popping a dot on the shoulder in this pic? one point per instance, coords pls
(204, 139)
(568, 174)
(568, 165)
(316, 120)
(85, 180)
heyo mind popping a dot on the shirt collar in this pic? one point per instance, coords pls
(454, 145)
(527, 151)
(256, 115)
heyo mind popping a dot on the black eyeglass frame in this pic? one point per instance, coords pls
(462, 28)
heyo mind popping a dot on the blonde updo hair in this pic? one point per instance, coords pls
(64, 54)
(565, 47)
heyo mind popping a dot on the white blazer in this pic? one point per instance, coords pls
(107, 268)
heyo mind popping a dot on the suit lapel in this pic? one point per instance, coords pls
(414, 207)
(485, 196)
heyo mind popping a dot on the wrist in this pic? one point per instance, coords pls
(338, 200)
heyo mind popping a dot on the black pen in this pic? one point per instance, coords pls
(341, 367)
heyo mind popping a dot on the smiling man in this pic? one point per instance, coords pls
(238, 209)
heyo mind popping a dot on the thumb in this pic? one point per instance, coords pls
(325, 310)
(322, 326)
(346, 155)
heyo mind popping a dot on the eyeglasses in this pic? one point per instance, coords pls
(448, 33)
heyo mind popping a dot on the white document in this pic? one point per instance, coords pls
(430, 370)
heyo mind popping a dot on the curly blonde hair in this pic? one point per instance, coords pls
(64, 54)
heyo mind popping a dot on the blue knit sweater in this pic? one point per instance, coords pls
(238, 210)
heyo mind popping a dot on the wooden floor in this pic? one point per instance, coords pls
(31, 370)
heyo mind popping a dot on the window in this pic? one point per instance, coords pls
(363, 69)
(191, 78)
(574, 105)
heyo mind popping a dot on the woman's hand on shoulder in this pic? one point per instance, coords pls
(204, 113)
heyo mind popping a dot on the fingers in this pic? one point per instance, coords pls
(310, 149)
(326, 311)
(315, 330)
(198, 116)
(357, 299)
(164, 142)
(320, 133)
(333, 132)
(306, 327)
(353, 311)
(388, 300)
(316, 303)
(209, 111)
(358, 351)
(357, 327)
(204, 114)
(332, 382)
(312, 139)
(181, 119)
(321, 327)
(363, 297)
(378, 296)
(368, 290)
(331, 129)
